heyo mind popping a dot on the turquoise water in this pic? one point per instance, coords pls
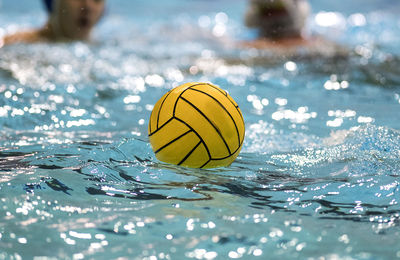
(317, 178)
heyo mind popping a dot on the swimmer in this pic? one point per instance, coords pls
(278, 19)
(281, 26)
(68, 20)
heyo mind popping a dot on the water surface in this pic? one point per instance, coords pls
(317, 178)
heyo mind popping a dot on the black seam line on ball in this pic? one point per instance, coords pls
(218, 89)
(158, 129)
(189, 153)
(233, 103)
(226, 157)
(240, 113)
(219, 159)
(226, 94)
(224, 108)
(205, 163)
(180, 95)
(209, 121)
(159, 110)
(172, 141)
(241, 117)
(194, 131)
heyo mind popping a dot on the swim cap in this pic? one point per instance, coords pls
(49, 5)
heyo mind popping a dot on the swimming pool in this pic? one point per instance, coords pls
(317, 178)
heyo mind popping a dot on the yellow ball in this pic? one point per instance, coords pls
(196, 125)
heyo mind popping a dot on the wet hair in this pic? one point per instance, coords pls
(49, 5)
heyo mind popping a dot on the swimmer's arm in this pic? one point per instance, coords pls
(22, 37)
(283, 43)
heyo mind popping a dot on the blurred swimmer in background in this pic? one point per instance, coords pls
(281, 27)
(278, 20)
(68, 20)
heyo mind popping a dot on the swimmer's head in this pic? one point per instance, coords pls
(74, 19)
(278, 18)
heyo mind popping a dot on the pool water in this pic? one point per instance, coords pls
(317, 178)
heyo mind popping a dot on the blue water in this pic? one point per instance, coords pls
(317, 178)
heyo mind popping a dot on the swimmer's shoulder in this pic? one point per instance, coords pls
(323, 47)
(313, 46)
(264, 43)
(31, 36)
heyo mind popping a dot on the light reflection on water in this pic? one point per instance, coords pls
(317, 177)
